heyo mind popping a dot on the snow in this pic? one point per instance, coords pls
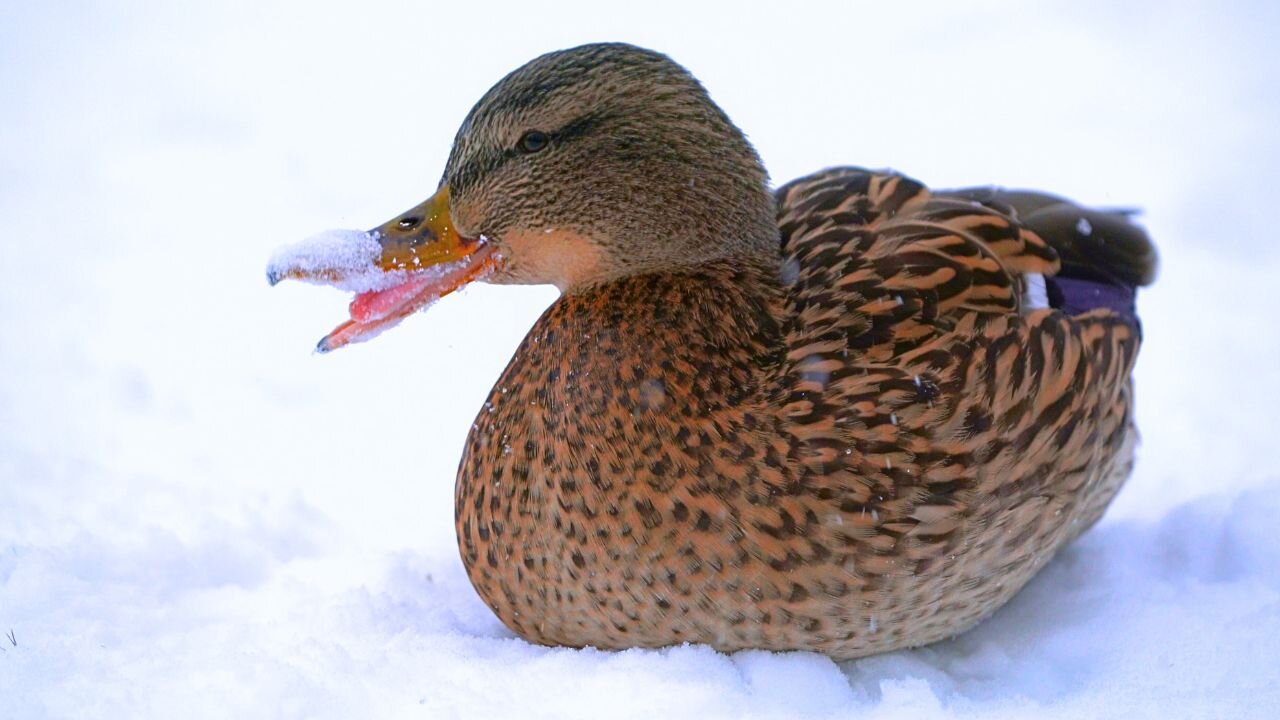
(201, 518)
(345, 257)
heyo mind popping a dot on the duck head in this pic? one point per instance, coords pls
(581, 167)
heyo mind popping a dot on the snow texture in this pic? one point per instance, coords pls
(201, 518)
(342, 258)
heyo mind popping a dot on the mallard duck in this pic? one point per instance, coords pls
(849, 415)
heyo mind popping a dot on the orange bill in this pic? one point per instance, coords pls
(396, 269)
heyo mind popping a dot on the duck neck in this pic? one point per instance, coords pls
(716, 316)
(642, 360)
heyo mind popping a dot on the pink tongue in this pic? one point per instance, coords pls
(376, 310)
(377, 304)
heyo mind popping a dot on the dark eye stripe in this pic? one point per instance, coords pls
(489, 162)
(578, 127)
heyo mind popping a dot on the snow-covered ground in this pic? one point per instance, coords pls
(201, 518)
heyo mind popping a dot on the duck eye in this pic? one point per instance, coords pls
(533, 141)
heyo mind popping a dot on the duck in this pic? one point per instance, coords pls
(848, 415)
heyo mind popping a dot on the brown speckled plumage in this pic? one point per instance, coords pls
(842, 432)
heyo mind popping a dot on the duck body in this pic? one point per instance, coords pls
(870, 444)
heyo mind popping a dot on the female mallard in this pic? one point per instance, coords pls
(847, 416)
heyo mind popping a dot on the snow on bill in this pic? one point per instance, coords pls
(345, 259)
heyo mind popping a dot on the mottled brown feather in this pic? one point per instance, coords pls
(866, 445)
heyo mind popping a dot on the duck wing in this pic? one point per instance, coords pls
(877, 260)
(925, 381)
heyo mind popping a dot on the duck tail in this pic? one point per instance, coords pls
(1105, 256)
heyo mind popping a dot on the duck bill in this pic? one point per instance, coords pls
(423, 237)
(423, 246)
(412, 260)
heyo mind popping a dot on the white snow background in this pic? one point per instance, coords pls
(201, 518)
